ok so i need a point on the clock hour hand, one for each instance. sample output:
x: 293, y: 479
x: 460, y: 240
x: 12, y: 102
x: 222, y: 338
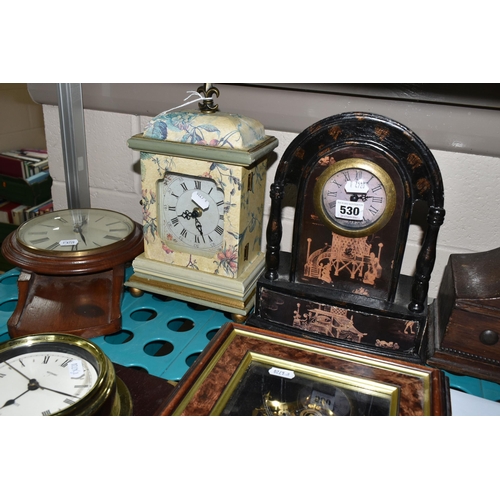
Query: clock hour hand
x: 12, y: 401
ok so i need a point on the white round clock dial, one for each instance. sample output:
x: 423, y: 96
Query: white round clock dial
x: 43, y: 382
x: 75, y: 230
x: 191, y: 212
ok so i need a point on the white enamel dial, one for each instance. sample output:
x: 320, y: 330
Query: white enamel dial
x: 43, y: 381
x: 191, y: 213
x: 75, y: 230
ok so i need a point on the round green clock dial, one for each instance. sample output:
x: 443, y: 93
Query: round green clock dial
x: 191, y: 213
x: 354, y: 197
x: 75, y: 230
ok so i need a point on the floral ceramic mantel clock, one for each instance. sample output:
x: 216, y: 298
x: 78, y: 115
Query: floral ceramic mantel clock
x: 203, y: 186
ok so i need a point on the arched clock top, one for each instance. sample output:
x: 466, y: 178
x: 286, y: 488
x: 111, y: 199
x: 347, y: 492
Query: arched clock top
x: 413, y: 171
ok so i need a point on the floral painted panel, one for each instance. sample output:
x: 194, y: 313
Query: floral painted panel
x: 244, y: 191
x: 221, y: 130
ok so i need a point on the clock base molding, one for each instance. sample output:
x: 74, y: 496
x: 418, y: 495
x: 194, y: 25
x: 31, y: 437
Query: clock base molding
x: 233, y: 295
x: 356, y: 321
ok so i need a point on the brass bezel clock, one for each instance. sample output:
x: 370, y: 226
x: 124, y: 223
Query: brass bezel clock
x: 354, y: 197
x: 72, y: 271
x: 357, y: 178
x: 60, y: 375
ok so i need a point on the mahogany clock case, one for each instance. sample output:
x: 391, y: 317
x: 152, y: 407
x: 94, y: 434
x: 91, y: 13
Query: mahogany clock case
x: 73, y: 292
x: 348, y: 288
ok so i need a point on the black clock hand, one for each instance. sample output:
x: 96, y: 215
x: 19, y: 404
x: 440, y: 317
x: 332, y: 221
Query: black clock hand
x: 78, y: 229
x: 33, y: 384
x: 12, y: 401
x: 18, y: 371
x: 362, y: 197
x: 198, y: 225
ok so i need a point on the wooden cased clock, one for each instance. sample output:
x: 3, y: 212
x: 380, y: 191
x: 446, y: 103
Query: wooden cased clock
x: 203, y: 189
x: 72, y: 271
x: 357, y: 178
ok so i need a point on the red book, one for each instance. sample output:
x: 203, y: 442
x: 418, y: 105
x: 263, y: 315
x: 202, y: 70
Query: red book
x: 14, y: 167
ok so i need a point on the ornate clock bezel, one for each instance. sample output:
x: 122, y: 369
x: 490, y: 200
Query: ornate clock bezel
x: 358, y: 164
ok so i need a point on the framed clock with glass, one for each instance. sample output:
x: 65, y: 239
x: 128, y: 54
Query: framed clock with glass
x: 357, y: 177
x: 203, y: 177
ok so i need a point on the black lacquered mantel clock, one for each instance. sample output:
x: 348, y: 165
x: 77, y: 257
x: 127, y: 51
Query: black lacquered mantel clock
x: 358, y: 177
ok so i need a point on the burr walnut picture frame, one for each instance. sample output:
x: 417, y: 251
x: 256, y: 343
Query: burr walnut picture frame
x: 248, y: 371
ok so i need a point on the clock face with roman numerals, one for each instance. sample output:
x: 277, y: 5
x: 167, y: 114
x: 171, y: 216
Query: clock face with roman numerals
x: 191, y: 213
x: 74, y: 231
x: 354, y: 197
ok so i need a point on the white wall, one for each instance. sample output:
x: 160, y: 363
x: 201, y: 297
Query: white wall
x: 470, y: 181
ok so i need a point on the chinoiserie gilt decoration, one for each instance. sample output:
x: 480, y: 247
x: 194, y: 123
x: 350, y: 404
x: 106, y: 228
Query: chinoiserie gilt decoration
x: 203, y: 178
x: 358, y: 177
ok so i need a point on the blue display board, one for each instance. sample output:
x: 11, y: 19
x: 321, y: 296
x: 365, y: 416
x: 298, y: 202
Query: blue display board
x: 159, y: 335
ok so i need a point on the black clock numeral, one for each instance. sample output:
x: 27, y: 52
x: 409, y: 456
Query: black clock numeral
x: 377, y: 199
x: 331, y: 204
x: 174, y: 221
x: 69, y: 401
x: 2, y: 375
x: 184, y: 233
x: 219, y: 203
x: 373, y: 210
x: 219, y: 230
x: 111, y: 237
x: 331, y: 193
x: 46, y: 413
x: 39, y: 240
x: 171, y: 208
x: 46, y: 359
x: 197, y: 184
x: 66, y: 363
x: 184, y: 187
x: 359, y: 175
x: 377, y: 188
x: 346, y: 175
x: 21, y: 361
x: 336, y: 183
x: 53, y: 246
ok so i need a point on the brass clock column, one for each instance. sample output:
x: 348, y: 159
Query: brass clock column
x: 203, y: 186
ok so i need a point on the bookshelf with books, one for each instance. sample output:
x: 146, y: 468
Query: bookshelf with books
x: 25, y: 190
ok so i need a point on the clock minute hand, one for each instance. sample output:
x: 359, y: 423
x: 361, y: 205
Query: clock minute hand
x: 18, y: 371
x: 78, y: 229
